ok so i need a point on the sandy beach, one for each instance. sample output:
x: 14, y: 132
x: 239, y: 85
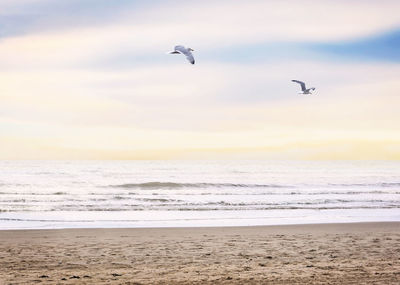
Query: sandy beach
x: 358, y: 253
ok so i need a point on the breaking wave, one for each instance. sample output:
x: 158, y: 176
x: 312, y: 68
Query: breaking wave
x: 174, y: 185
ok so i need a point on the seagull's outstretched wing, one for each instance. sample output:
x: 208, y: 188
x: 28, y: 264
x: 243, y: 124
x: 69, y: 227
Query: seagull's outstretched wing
x: 186, y: 52
x: 181, y: 49
x: 303, y: 85
x: 190, y: 58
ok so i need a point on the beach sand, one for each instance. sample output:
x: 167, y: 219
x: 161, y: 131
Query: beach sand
x: 360, y: 253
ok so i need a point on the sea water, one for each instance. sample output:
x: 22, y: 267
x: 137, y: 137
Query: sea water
x: 104, y: 194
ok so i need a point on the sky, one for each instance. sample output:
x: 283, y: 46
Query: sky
x: 91, y: 79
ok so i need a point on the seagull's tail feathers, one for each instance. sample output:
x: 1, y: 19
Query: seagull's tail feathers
x: 173, y: 52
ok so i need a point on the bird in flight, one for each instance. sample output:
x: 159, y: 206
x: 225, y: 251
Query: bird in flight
x: 185, y: 51
x: 304, y: 90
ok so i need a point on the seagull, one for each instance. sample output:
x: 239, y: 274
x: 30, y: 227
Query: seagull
x: 185, y: 51
x: 304, y: 90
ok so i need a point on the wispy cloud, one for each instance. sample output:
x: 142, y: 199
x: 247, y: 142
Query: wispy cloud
x: 21, y: 17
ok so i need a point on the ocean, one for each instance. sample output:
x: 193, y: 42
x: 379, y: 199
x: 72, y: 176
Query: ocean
x: 105, y: 194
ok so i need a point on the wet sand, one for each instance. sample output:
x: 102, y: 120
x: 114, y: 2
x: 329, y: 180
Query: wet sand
x: 360, y: 253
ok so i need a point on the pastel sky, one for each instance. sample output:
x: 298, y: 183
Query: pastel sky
x: 90, y: 79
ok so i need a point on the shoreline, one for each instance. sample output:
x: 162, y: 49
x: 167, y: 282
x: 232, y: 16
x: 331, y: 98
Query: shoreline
x: 335, y: 253
x: 281, y: 227
x: 172, y: 219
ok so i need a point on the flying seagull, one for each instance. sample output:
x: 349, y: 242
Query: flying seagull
x: 304, y: 90
x: 185, y: 51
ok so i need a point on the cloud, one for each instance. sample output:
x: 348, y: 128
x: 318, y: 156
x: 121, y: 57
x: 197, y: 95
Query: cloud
x: 207, y: 98
x: 206, y: 24
x: 126, y: 34
x: 38, y: 16
x: 223, y: 23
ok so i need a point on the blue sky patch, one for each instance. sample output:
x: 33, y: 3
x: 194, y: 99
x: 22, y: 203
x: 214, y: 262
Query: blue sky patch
x: 384, y: 47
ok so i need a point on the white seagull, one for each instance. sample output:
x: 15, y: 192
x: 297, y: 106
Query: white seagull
x: 304, y: 90
x: 185, y: 51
